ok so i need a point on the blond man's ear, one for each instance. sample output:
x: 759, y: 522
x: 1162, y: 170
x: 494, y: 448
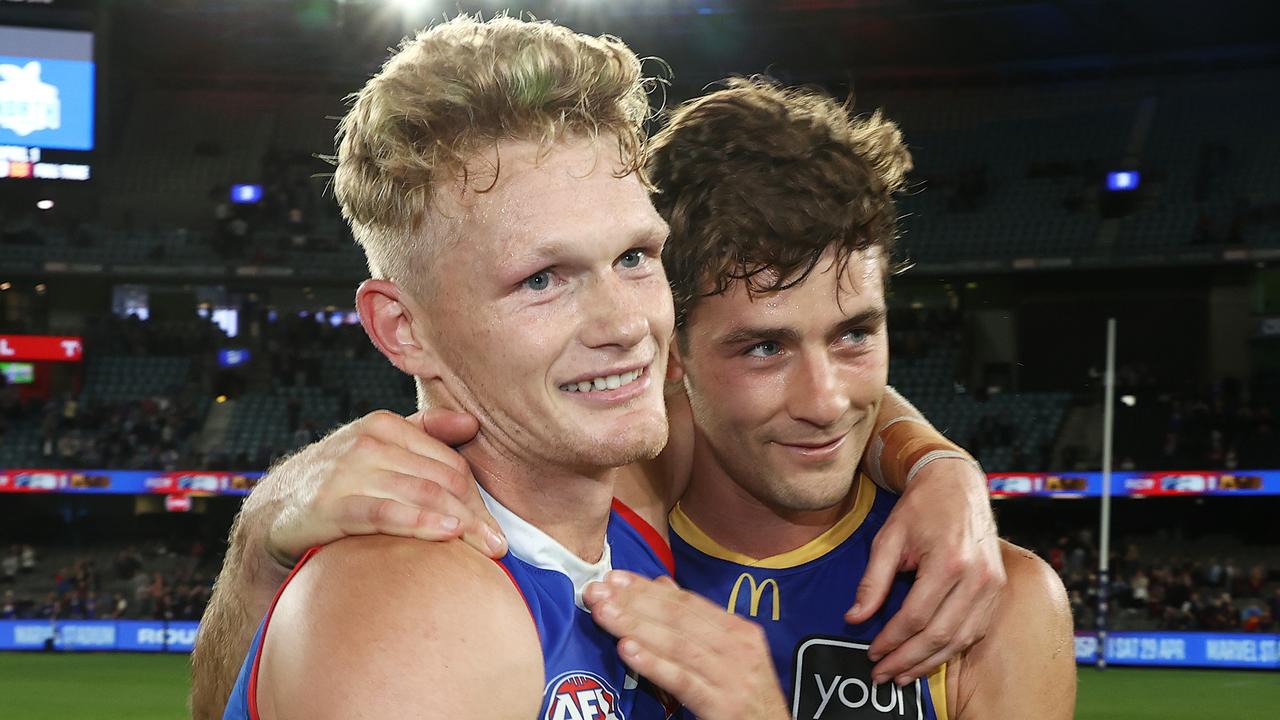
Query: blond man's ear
x: 387, y: 313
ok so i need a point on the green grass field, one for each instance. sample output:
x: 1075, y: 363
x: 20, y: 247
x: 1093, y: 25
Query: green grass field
x: 154, y: 687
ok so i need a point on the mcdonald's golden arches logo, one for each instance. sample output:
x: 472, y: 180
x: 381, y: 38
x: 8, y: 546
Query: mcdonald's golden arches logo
x: 757, y: 591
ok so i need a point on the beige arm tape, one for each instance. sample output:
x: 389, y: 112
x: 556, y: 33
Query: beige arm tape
x: 904, y: 446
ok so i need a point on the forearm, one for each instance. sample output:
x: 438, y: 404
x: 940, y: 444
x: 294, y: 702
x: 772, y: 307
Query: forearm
x: 241, y: 596
x: 903, y: 443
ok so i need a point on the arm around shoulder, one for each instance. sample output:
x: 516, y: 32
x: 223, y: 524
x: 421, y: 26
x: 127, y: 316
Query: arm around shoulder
x: 243, y: 592
x: 1026, y: 666
x: 390, y: 627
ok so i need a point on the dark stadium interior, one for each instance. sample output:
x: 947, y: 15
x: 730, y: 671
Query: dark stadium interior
x: 1014, y: 252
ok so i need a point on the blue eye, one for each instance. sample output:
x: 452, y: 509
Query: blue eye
x: 538, y: 281
x: 767, y: 348
x: 857, y: 336
x: 631, y: 258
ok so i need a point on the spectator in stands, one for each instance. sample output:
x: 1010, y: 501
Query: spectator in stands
x: 1213, y: 572
x: 127, y: 563
x: 9, y: 565
x: 1057, y: 557
x: 121, y: 606
x: 1251, y: 618
x: 9, y: 610
x: 1229, y: 575
x: 1255, y: 581
x: 51, y: 609
x: 76, y: 605
x: 1139, y: 590
x: 158, y: 588
x: 142, y: 593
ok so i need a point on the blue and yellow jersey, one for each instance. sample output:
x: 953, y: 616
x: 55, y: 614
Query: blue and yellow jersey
x: 800, y: 598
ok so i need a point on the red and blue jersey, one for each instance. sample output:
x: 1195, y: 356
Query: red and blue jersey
x: 800, y: 598
x: 585, y: 678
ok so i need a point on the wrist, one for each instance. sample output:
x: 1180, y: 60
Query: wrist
x: 253, y: 533
x: 948, y: 452
x: 957, y: 480
x: 903, y: 447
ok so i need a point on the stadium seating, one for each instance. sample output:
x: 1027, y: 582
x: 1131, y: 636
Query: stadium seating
x: 985, y: 426
x: 1000, y: 174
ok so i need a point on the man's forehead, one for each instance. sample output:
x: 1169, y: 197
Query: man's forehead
x: 520, y: 177
x: 850, y: 286
x: 556, y: 194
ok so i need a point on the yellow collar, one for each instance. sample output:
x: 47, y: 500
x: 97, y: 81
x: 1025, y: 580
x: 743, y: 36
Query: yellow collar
x: 812, y: 550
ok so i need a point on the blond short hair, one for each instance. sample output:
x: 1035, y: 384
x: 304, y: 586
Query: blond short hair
x: 453, y: 92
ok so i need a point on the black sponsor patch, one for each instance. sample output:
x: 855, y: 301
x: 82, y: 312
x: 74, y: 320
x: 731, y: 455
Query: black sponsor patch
x: 833, y: 682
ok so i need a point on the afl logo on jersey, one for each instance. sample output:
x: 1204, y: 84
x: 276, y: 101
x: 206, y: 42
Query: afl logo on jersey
x: 833, y: 682
x: 581, y: 695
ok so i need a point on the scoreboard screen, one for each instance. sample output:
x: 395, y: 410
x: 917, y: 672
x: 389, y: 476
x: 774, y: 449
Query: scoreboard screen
x: 46, y: 103
x: 18, y: 373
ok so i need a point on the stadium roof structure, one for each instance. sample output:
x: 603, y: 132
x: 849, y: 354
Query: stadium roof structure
x: 343, y: 41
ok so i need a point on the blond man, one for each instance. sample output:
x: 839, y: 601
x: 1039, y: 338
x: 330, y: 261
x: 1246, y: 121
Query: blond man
x: 489, y: 173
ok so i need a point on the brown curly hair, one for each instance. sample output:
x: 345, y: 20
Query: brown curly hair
x: 758, y: 181
x: 453, y: 92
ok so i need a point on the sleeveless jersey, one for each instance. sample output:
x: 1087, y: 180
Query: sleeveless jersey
x: 800, y: 598
x: 585, y: 678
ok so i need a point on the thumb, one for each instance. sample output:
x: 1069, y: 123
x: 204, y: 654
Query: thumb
x: 882, y: 567
x: 447, y: 426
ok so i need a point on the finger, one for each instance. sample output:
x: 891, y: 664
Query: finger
x: 663, y: 640
x: 430, y: 433
x: 933, y: 583
x: 449, y: 427
x: 941, y: 636
x: 363, y: 515
x: 389, y: 428
x: 428, y: 470
x: 922, y: 669
x: 665, y: 616
x: 495, y: 538
x: 476, y: 532
x: 692, y: 690
x: 882, y: 567
x: 396, y: 504
x: 479, y: 527
x: 663, y: 588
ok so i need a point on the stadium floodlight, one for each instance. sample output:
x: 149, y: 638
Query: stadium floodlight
x: 45, y: 204
x: 1123, y: 180
x: 413, y: 8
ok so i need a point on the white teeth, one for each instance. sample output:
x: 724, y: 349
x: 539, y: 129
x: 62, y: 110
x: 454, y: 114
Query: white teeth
x: 604, y: 382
